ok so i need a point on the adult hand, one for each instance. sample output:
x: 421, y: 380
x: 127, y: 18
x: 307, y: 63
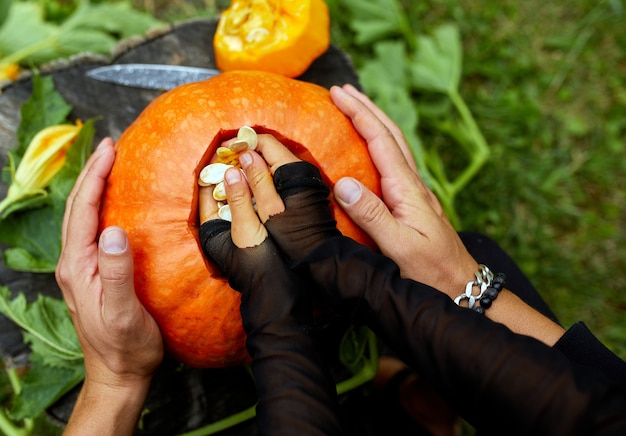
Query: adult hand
x: 408, y: 224
x: 121, y: 342
x: 416, y: 233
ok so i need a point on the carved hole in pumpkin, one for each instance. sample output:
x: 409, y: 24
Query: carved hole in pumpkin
x: 296, y: 148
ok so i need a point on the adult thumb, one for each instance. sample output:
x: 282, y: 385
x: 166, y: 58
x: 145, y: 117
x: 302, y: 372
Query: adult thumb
x: 364, y: 207
x: 115, y: 266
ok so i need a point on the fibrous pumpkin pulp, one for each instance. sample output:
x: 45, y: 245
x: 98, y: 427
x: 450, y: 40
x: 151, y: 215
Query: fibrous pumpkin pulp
x: 152, y: 193
x: 278, y: 36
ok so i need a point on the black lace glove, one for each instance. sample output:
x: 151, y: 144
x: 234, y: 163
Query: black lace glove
x: 501, y: 382
x: 307, y: 220
x: 296, y: 392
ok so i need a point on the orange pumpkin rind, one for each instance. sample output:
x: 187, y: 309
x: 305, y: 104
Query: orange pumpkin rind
x: 152, y: 194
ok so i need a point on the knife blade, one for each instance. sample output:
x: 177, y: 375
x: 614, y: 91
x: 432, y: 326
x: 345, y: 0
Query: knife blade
x: 151, y: 76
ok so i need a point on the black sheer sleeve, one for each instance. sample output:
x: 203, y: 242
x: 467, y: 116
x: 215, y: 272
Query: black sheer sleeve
x: 497, y: 380
x: 500, y: 382
x: 297, y: 394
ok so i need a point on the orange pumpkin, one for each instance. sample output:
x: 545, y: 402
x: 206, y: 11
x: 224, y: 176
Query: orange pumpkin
x: 282, y: 37
x: 152, y: 193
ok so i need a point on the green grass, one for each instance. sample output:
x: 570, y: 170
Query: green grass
x: 546, y: 81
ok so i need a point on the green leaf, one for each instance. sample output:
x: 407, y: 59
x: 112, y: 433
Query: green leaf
x: 435, y: 106
x: 27, y: 38
x: 35, y: 235
x: 5, y: 7
x: 47, y: 325
x: 389, y: 68
x: 36, y: 232
x: 438, y: 62
x: 85, y: 40
x: 26, y: 31
x: 376, y: 19
x: 117, y: 18
x: 19, y: 259
x: 369, y: 31
x: 353, y: 348
x: 43, y: 385
x: 386, y: 79
x: 45, y: 107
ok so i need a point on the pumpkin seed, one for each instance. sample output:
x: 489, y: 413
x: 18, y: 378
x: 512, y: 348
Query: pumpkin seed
x: 213, y: 174
x: 224, y: 152
x: 227, y: 157
x: 239, y: 145
x: 248, y: 134
x: 224, y: 213
x: 219, y: 192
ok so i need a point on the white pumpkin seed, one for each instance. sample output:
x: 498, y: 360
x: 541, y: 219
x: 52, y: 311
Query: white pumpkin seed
x: 248, y: 134
x: 224, y: 213
x: 213, y: 174
x: 219, y: 192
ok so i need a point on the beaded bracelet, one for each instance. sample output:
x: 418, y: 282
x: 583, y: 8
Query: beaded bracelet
x: 489, y: 286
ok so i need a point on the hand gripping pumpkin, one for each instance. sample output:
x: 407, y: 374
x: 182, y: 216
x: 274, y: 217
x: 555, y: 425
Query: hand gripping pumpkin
x: 152, y: 193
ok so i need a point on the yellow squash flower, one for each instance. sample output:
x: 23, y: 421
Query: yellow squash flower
x: 10, y: 72
x: 43, y: 159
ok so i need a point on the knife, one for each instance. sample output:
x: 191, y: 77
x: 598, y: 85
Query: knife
x: 151, y: 76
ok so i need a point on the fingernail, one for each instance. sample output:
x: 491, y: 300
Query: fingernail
x: 245, y: 159
x: 105, y: 143
x: 232, y: 176
x: 348, y: 190
x: 113, y: 240
x: 340, y: 92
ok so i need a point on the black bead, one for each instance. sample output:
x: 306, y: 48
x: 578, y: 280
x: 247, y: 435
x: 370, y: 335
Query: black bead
x: 497, y: 286
x: 485, y: 302
x: 479, y: 309
x: 491, y: 293
x: 500, y: 278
